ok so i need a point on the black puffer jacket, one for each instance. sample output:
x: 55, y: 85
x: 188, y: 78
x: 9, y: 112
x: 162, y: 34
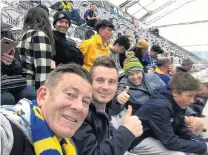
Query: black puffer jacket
x: 97, y: 137
x: 66, y: 51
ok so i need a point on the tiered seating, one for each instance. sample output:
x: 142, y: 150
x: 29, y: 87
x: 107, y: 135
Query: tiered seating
x: 14, y: 11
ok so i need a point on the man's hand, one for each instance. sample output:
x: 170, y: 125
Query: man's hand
x: 7, y: 58
x: 53, y: 64
x: 132, y: 123
x: 123, y: 97
x: 194, y: 124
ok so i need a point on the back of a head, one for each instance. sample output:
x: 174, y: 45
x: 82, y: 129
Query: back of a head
x: 157, y: 49
x: 104, y: 61
x: 44, y: 8
x: 123, y: 41
x: 162, y: 61
x: 103, y: 24
x: 38, y: 19
x: 143, y: 44
x: 183, y: 81
x: 55, y: 75
x: 187, y: 62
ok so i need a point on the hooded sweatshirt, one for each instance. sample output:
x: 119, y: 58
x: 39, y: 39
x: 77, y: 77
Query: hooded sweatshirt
x: 92, y: 49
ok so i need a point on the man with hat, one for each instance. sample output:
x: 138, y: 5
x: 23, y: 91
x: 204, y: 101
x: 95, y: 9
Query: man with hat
x: 66, y: 50
x: 140, y: 48
x: 135, y: 87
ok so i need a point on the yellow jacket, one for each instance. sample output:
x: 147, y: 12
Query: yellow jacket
x: 92, y: 49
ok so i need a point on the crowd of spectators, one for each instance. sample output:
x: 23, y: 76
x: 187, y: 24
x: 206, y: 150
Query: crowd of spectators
x: 95, y: 98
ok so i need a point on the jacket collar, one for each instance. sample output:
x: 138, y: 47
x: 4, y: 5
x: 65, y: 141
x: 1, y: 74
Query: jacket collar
x: 97, y: 38
x: 59, y: 35
x: 157, y: 70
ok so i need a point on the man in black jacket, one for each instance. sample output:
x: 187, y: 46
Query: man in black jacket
x: 95, y: 136
x: 185, y: 66
x: 66, y: 51
x: 165, y: 131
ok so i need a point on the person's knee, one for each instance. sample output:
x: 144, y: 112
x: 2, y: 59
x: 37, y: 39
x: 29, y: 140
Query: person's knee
x: 28, y: 92
x: 7, y: 99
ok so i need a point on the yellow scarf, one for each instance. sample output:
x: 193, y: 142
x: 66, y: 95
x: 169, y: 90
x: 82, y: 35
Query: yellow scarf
x: 44, y: 140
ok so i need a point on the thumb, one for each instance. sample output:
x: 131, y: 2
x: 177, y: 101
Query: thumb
x: 127, y: 89
x: 129, y: 111
x: 191, y: 119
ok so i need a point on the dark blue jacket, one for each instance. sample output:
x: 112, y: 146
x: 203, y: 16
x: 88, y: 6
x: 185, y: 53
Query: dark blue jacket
x: 163, y: 77
x: 97, y: 137
x: 163, y: 119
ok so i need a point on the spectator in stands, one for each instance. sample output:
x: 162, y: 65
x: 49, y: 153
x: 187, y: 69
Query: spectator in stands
x: 66, y: 51
x: 140, y: 86
x: 163, y: 69
x: 44, y: 8
x: 98, y: 44
x: 36, y: 47
x: 165, y: 131
x: 90, y: 16
x: 67, y: 6
x: 12, y: 65
x: 45, y: 126
x: 120, y: 46
x: 139, y: 49
x: 95, y: 136
x: 185, y: 66
x: 150, y: 58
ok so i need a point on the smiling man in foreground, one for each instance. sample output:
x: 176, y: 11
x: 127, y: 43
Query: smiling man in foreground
x: 96, y: 136
x: 45, y: 126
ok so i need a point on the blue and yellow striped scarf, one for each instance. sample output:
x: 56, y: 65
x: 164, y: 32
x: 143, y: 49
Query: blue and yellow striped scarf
x: 44, y: 140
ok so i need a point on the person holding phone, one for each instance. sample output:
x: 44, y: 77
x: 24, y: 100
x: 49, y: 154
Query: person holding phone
x: 11, y: 65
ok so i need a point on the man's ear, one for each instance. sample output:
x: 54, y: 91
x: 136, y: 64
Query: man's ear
x: 42, y: 94
x: 174, y: 92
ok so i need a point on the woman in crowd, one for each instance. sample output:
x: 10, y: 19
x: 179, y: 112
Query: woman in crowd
x: 36, y: 47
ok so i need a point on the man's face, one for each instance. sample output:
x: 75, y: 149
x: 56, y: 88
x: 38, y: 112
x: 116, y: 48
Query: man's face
x: 118, y: 48
x: 92, y: 7
x: 135, y: 77
x: 65, y: 106
x: 106, y: 33
x: 62, y: 25
x: 187, y: 67
x: 105, y: 84
x: 184, y: 99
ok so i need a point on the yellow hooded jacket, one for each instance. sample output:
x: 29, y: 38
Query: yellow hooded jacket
x: 92, y: 49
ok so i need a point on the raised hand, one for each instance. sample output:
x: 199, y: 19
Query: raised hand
x: 123, y: 97
x: 133, y: 123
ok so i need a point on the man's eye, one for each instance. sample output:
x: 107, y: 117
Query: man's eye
x: 86, y: 102
x: 70, y: 95
x: 99, y: 80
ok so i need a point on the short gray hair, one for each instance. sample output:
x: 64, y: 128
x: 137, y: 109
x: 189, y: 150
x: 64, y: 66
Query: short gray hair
x: 54, y: 76
x: 187, y: 62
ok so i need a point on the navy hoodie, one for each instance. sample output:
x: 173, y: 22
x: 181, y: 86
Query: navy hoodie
x: 163, y: 119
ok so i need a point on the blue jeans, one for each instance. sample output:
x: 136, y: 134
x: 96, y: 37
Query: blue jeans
x: 12, y: 97
x: 75, y: 16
